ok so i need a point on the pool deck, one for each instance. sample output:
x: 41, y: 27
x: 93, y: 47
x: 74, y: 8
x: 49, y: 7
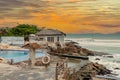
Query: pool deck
x: 11, y: 72
x: 8, y: 72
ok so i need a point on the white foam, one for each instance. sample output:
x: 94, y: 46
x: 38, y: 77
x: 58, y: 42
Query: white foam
x: 110, y: 63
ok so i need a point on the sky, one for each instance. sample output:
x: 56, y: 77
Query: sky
x: 69, y: 16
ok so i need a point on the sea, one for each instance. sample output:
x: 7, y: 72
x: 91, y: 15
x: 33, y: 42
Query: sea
x: 108, y: 43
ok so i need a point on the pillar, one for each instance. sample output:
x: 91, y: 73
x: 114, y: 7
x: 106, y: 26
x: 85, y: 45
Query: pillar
x: 32, y: 57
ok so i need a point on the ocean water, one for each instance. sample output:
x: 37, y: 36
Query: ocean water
x: 108, y: 43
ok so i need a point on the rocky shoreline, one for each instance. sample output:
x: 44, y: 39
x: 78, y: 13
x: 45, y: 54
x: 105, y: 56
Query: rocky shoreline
x: 88, y: 71
x: 9, y: 47
x: 72, y: 48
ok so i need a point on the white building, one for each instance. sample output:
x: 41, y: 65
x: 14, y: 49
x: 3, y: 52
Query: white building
x: 47, y: 35
x: 11, y: 40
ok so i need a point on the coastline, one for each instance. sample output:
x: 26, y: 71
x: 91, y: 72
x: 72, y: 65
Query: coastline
x: 72, y: 47
x: 109, y: 47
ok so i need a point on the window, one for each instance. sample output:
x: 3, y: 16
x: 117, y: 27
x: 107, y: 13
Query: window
x: 41, y: 39
x: 50, y: 39
x: 58, y: 38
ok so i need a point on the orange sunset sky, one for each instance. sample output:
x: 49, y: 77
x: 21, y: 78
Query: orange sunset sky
x: 70, y: 16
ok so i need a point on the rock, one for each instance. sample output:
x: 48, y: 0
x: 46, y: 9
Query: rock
x: 76, y: 54
x: 38, y: 63
x: 23, y: 65
x: 117, y: 68
x: 71, y: 48
x: 2, y: 60
x: 99, y: 53
x: 97, y: 59
x: 10, y: 47
x: 108, y: 56
x: 92, y: 69
x: 117, y: 61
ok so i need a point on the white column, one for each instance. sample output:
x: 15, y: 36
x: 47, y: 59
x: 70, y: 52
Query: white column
x: 32, y: 56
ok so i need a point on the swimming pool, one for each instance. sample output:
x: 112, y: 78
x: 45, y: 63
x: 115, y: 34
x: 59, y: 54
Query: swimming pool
x: 18, y: 55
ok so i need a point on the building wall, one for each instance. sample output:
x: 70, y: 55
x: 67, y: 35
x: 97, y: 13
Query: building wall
x: 13, y: 40
x: 61, y: 38
x: 37, y: 38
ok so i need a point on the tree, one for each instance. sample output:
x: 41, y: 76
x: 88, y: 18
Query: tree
x: 21, y: 30
x: 24, y: 30
x: 3, y: 31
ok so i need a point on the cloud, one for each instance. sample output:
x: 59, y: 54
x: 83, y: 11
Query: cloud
x: 22, y: 9
x: 67, y: 15
x: 109, y: 25
x: 15, y: 3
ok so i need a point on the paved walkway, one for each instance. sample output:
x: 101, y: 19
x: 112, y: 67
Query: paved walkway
x: 14, y: 73
x: 27, y: 75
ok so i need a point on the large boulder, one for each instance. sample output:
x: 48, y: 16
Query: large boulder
x: 92, y: 69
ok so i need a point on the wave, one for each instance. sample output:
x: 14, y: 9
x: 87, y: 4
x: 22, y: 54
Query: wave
x: 96, y: 42
x: 112, y: 63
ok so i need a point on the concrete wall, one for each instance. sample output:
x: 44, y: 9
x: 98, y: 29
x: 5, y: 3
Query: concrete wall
x: 12, y: 40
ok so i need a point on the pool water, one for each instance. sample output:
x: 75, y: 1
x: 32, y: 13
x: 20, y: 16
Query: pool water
x: 19, y: 56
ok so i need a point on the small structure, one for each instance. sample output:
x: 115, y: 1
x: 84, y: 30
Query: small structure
x: 17, y: 41
x: 32, y: 47
x: 48, y: 35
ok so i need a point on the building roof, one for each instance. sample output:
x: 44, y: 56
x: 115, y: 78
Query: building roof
x: 50, y: 32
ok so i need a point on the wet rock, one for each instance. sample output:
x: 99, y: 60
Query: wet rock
x: 117, y: 68
x: 99, y: 53
x: 92, y: 69
x: 108, y: 56
x: 97, y: 59
x: 117, y: 61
